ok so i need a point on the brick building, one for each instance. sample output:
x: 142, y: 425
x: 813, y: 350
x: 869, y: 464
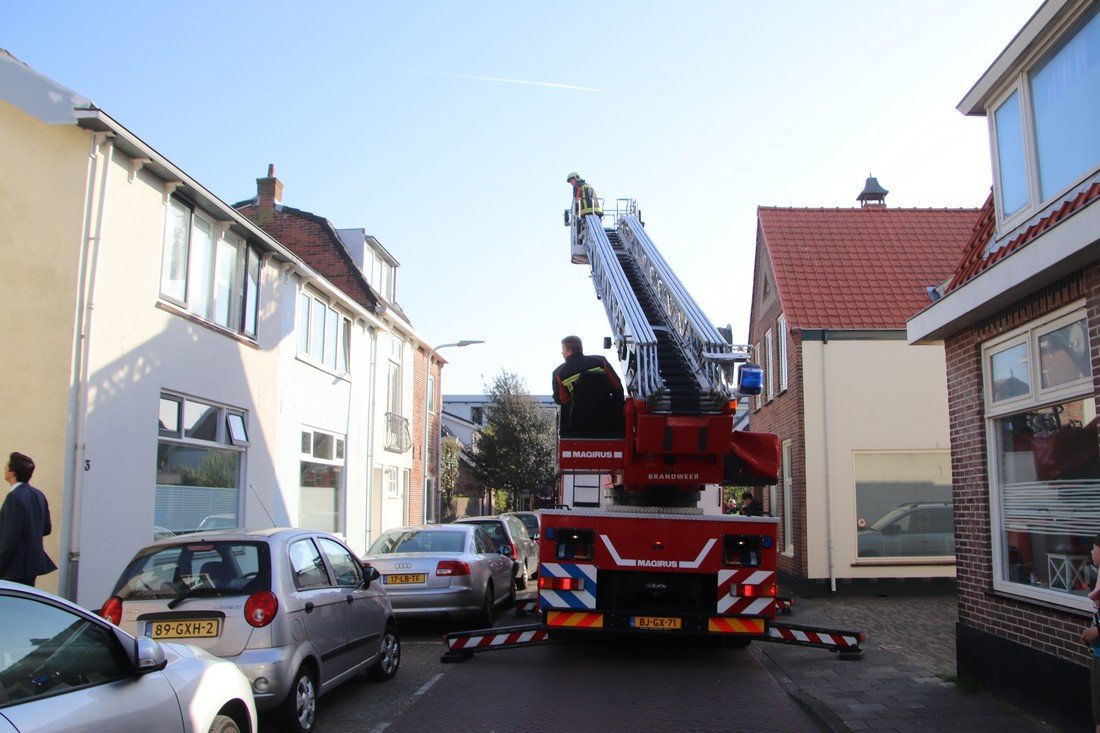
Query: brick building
x: 865, y: 485
x: 1020, y: 322
x: 394, y: 368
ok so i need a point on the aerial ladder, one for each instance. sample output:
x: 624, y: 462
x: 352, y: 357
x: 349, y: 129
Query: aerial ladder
x: 645, y: 559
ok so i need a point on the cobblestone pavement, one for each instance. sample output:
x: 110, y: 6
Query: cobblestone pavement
x: 904, y: 682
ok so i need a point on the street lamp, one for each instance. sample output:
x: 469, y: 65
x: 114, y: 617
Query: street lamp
x: 426, y: 501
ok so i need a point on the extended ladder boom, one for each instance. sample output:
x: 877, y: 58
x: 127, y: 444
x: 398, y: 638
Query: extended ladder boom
x: 672, y: 356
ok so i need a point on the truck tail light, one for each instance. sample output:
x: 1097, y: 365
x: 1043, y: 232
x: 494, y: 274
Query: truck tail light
x: 561, y: 583
x: 260, y: 608
x: 112, y: 610
x: 452, y: 568
x: 746, y: 590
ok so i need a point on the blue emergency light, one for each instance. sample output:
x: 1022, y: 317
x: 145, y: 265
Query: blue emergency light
x: 750, y: 379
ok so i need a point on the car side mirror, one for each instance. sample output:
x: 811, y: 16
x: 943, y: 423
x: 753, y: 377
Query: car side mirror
x: 506, y: 550
x: 149, y: 656
x: 534, y: 535
x: 370, y: 574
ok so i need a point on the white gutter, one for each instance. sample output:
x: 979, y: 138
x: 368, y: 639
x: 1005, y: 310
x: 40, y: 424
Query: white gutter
x: 78, y: 402
x: 825, y: 450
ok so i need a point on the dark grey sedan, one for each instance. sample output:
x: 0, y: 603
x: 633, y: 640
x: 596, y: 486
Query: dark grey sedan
x: 440, y: 571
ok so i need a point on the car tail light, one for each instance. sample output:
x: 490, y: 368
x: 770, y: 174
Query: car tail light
x: 746, y: 590
x: 515, y: 555
x: 561, y: 583
x: 112, y: 610
x: 260, y: 608
x: 452, y: 567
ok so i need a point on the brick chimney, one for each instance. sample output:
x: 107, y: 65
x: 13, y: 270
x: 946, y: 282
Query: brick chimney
x: 269, y: 190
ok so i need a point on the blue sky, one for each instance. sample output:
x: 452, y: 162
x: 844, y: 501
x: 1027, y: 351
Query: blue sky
x: 446, y: 129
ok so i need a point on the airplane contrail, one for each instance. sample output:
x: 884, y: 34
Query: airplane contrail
x: 511, y: 81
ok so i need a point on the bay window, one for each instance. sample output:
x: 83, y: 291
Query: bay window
x: 1046, y: 130
x: 1044, y: 459
x: 209, y: 270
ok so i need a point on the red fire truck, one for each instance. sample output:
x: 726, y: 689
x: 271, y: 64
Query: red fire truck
x: 631, y: 551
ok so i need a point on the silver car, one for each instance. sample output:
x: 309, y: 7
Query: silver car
x: 65, y: 669
x: 510, y: 534
x: 293, y: 608
x: 438, y: 571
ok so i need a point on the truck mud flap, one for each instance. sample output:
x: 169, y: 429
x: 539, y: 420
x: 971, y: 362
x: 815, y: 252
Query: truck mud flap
x: 462, y: 645
x: 846, y: 643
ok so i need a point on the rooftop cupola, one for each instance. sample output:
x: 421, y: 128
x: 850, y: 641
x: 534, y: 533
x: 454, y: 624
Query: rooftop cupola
x: 873, y: 195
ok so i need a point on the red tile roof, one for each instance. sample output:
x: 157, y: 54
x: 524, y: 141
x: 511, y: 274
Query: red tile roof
x: 861, y: 268
x: 976, y: 260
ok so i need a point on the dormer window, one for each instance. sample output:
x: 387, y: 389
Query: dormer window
x: 1046, y: 129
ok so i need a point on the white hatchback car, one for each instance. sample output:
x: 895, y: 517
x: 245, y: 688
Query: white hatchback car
x: 64, y: 669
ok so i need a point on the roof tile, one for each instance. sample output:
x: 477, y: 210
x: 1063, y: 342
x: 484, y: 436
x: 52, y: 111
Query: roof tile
x: 861, y: 268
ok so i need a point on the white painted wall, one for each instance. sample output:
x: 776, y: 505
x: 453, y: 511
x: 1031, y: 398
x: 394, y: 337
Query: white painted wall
x: 865, y: 396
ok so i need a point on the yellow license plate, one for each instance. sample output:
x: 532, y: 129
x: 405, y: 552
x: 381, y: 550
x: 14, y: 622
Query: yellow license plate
x: 201, y: 628
x: 405, y: 579
x: 655, y: 622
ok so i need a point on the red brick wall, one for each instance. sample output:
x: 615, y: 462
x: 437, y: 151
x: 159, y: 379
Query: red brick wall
x: 416, y: 429
x: 784, y: 416
x: 1048, y: 630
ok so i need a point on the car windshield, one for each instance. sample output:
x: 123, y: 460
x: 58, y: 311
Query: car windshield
x: 411, y: 540
x: 207, y: 568
x: 494, y: 528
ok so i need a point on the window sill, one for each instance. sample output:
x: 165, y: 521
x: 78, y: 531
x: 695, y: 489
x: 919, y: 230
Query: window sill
x: 904, y: 562
x: 787, y: 553
x: 1056, y: 604
x: 321, y: 367
x: 177, y: 311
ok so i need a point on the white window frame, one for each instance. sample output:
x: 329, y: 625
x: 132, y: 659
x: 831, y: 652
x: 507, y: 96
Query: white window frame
x: 325, y: 350
x: 337, y: 457
x: 769, y: 377
x: 389, y: 477
x: 431, y: 393
x: 1029, y: 333
x: 1022, y: 85
x: 781, y: 330
x: 237, y: 310
x: 224, y: 438
x: 788, y: 500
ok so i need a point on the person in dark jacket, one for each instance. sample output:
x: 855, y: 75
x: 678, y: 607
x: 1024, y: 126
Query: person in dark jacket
x: 750, y: 507
x: 589, y: 391
x: 24, y: 521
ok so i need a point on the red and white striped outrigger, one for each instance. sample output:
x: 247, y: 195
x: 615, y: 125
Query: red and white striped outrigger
x: 463, y: 645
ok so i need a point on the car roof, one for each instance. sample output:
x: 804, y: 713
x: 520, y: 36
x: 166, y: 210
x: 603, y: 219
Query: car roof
x: 268, y: 534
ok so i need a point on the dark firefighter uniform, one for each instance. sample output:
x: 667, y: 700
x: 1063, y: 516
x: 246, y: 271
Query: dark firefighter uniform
x: 590, y: 394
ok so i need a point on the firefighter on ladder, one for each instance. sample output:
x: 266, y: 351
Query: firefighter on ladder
x: 585, y: 201
x: 589, y: 392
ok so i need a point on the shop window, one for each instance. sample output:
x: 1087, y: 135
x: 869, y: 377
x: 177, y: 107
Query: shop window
x: 1045, y: 477
x: 200, y: 455
x: 903, y: 504
x: 321, y: 481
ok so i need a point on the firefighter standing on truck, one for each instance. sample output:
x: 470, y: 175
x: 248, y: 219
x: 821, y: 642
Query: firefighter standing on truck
x: 585, y: 201
x: 588, y: 390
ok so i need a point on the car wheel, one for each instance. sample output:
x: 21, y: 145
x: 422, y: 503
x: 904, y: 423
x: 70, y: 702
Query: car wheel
x: 485, y: 617
x: 224, y: 724
x: 389, y: 656
x: 524, y: 577
x: 298, y: 712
